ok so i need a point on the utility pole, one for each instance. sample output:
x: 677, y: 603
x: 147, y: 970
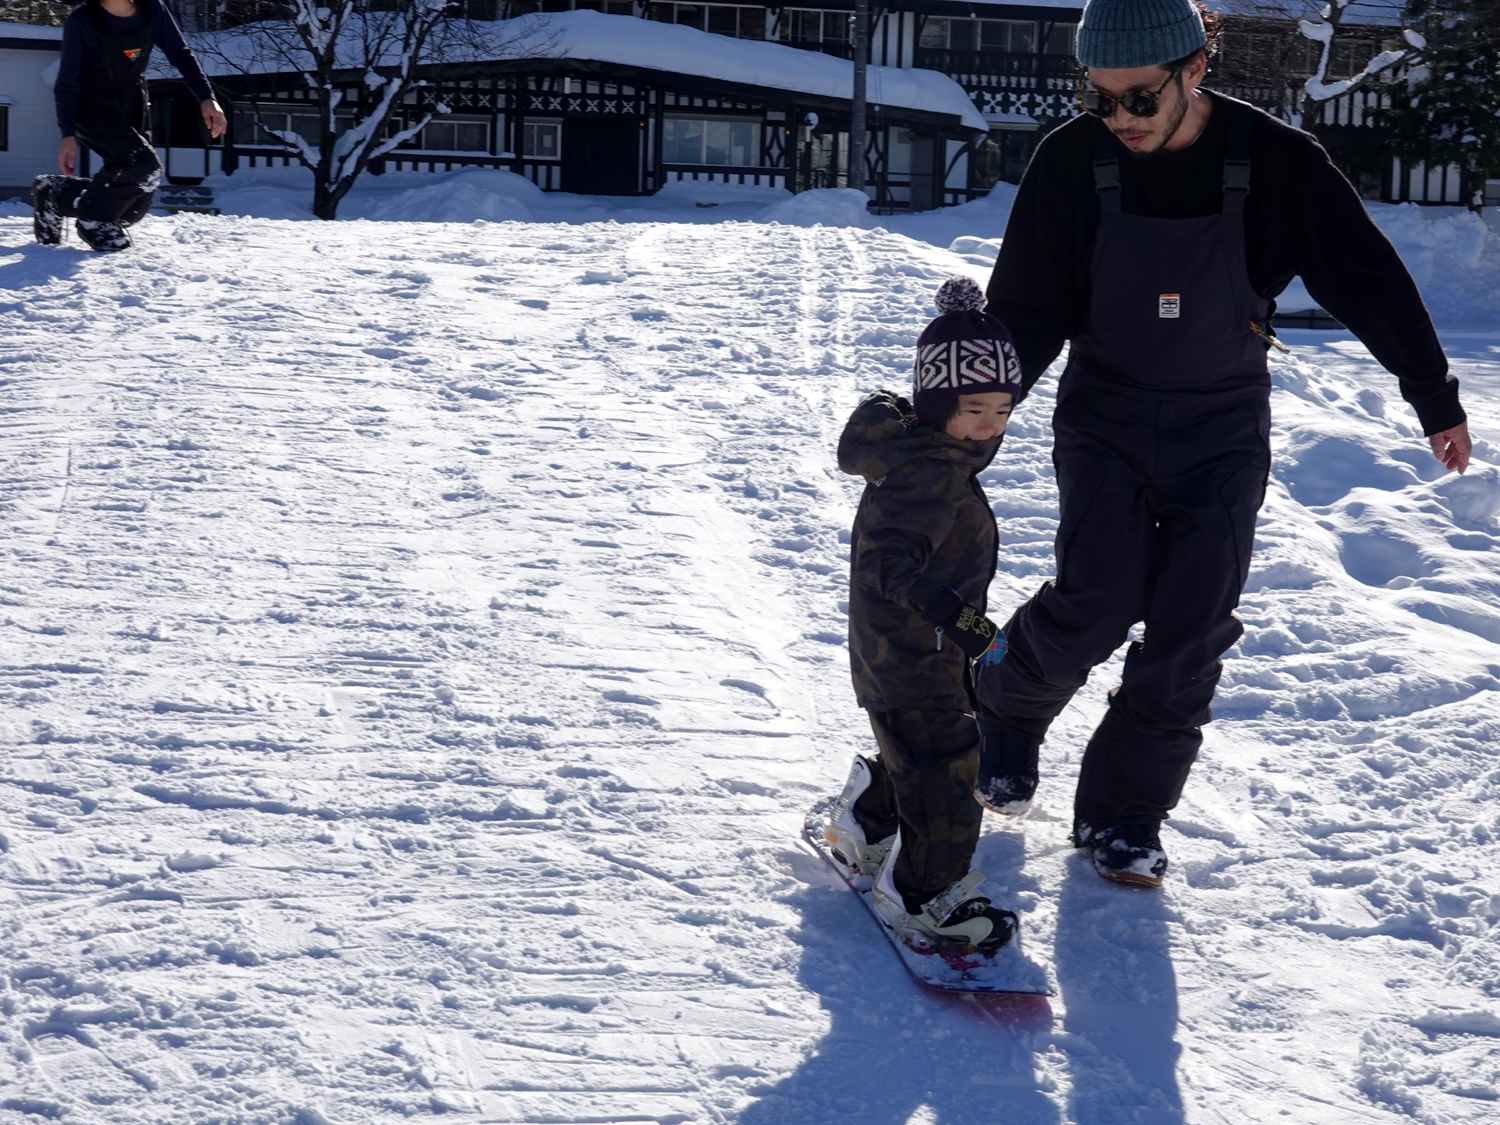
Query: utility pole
x: 857, y: 113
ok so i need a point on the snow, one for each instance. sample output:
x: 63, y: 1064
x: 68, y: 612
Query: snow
x: 30, y: 31
x: 421, y: 641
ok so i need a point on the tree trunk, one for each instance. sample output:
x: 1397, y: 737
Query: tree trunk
x: 1476, y: 192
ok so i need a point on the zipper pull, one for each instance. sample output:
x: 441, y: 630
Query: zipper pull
x: 939, y: 631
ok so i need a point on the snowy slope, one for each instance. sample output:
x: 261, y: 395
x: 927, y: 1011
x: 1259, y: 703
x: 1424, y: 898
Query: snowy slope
x: 419, y: 650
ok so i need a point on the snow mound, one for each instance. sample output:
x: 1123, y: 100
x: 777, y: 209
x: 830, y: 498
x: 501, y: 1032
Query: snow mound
x: 979, y: 251
x: 449, y: 203
x: 822, y: 207
x: 708, y: 191
x: 998, y: 202
x: 1454, y: 256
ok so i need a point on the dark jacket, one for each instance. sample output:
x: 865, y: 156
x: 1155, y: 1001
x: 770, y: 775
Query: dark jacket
x: 85, y: 80
x: 1301, y: 218
x: 923, y: 527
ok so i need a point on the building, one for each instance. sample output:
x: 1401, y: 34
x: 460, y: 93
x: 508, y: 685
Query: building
x: 28, y: 117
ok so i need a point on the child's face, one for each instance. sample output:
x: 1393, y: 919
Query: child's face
x: 979, y: 417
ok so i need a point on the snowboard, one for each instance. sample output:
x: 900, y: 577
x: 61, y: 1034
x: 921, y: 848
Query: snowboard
x: 1008, y: 971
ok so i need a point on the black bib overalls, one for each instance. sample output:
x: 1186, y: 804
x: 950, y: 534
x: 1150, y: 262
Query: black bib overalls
x: 1162, y: 451
x: 114, y: 123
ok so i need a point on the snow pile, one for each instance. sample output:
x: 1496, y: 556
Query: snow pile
x: 711, y: 192
x: 421, y: 644
x: 461, y: 197
x: 827, y: 207
x: 1453, y: 254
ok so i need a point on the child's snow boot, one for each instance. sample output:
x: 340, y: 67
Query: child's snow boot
x: 1125, y: 853
x: 953, y: 921
x: 46, y: 206
x: 857, y: 841
x: 103, y: 235
x: 1008, y: 769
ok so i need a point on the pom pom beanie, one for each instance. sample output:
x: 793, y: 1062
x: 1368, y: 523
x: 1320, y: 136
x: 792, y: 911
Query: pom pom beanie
x: 965, y: 351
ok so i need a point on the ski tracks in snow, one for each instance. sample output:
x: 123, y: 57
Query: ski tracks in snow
x: 421, y: 644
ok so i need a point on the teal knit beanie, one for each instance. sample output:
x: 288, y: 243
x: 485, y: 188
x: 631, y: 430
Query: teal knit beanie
x: 1122, y: 34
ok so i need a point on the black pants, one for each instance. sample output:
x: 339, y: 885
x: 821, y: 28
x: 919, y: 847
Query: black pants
x: 121, y: 191
x: 924, y: 780
x: 1158, y: 499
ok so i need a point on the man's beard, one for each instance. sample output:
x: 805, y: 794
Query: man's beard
x: 1177, y: 118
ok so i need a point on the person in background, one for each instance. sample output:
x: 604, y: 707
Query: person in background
x: 103, y: 104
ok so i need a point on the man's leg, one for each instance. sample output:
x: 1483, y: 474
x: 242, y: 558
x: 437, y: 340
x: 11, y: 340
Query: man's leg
x: 1136, y: 764
x: 1079, y: 618
x: 931, y: 758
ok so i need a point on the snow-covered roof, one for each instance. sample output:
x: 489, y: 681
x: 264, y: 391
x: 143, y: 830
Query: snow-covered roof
x: 669, y: 48
x: 1355, y: 11
x: 30, y: 31
x: 676, y: 49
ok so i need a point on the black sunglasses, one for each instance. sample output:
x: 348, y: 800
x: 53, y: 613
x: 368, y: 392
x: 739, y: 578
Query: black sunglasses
x: 1142, y: 104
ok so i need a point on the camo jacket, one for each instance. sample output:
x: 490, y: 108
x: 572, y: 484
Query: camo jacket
x: 923, y: 526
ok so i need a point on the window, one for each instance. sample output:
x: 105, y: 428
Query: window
x: 457, y: 134
x: 1063, y: 39
x: 253, y: 125
x: 1013, y: 37
x: 542, y: 140
x: 802, y: 25
x: 721, y: 19
x: 695, y: 141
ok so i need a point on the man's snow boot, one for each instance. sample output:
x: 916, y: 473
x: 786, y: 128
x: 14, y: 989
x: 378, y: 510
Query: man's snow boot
x: 46, y: 207
x: 953, y: 921
x: 855, y: 844
x: 103, y: 235
x: 1125, y: 853
x: 1008, y: 769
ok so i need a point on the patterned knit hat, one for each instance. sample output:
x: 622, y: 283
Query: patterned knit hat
x: 965, y: 351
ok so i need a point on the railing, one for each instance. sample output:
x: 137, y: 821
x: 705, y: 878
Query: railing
x: 726, y: 174
x: 1000, y: 63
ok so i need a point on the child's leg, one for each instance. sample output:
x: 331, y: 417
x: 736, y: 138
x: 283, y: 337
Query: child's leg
x: 932, y: 758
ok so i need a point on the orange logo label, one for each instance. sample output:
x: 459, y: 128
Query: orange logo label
x: 133, y: 53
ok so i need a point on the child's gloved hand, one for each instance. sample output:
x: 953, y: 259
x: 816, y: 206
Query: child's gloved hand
x: 995, y: 653
x: 964, y: 625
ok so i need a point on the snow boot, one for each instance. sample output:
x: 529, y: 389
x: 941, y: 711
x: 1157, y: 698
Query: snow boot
x: 954, y: 921
x: 46, y: 206
x: 1008, y: 769
x: 103, y: 235
x: 1125, y: 853
x: 856, y: 845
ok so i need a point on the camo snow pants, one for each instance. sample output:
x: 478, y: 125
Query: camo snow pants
x: 924, y: 781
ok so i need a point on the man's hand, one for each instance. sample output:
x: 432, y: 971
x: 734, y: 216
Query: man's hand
x: 213, y: 118
x: 67, y: 155
x: 1452, y: 447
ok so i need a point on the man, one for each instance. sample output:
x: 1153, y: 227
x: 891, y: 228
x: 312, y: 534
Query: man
x: 102, y: 101
x: 1154, y: 232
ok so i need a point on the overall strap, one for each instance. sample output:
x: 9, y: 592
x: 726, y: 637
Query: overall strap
x: 1237, y: 161
x: 1106, y: 171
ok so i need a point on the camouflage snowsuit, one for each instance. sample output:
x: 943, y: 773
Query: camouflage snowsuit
x: 923, y: 527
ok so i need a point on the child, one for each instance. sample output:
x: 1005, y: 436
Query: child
x: 923, y: 553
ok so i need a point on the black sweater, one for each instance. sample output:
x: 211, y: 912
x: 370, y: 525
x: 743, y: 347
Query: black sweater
x: 1302, y: 217
x: 82, y: 51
